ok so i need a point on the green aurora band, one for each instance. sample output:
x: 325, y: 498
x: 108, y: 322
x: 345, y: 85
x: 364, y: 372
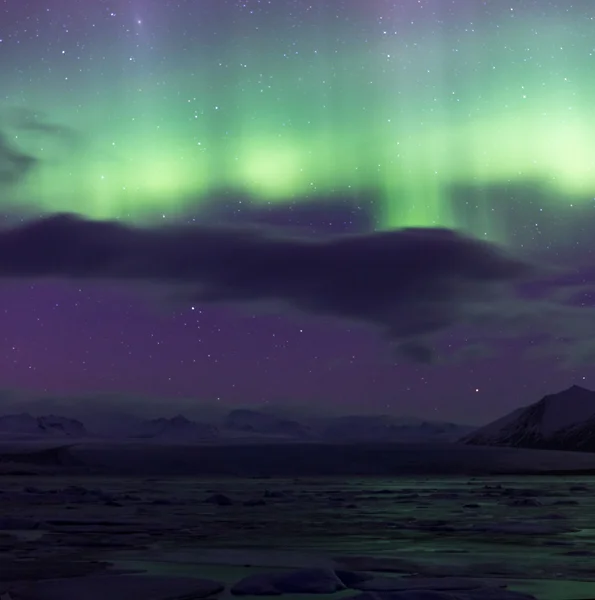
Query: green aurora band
x: 283, y: 114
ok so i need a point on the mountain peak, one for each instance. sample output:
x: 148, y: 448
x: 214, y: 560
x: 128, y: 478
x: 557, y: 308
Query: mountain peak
x: 575, y: 398
x: 577, y: 388
x: 179, y: 420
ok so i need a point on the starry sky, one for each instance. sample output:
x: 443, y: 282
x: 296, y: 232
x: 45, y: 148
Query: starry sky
x: 329, y: 117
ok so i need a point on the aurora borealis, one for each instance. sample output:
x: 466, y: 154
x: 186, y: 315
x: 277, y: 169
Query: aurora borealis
x: 332, y: 116
x: 284, y: 102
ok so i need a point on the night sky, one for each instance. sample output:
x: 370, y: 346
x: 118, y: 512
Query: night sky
x: 332, y: 117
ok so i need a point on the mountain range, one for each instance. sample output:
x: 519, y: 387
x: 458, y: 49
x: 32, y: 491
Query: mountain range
x: 561, y: 421
x: 238, y: 425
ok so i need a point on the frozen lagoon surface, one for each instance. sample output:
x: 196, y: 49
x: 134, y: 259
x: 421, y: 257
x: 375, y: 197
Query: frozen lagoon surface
x: 534, y: 534
x: 506, y: 533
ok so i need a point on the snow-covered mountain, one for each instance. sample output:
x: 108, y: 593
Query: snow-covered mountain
x: 178, y: 430
x: 239, y: 426
x: 248, y: 421
x: 385, y: 428
x: 562, y: 421
x: 26, y: 425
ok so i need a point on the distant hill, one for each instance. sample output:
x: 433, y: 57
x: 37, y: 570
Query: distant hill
x: 50, y: 426
x: 562, y: 421
x: 238, y: 426
x: 178, y: 430
x: 247, y: 421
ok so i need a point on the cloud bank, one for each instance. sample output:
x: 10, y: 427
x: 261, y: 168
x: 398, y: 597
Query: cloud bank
x: 410, y: 284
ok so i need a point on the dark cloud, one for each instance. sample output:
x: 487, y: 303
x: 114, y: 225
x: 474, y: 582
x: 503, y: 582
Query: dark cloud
x: 14, y: 164
x: 416, y: 351
x: 408, y: 283
x: 24, y: 119
x: 412, y: 285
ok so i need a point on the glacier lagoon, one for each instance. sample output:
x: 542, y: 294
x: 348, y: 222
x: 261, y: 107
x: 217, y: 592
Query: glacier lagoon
x: 533, y: 534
